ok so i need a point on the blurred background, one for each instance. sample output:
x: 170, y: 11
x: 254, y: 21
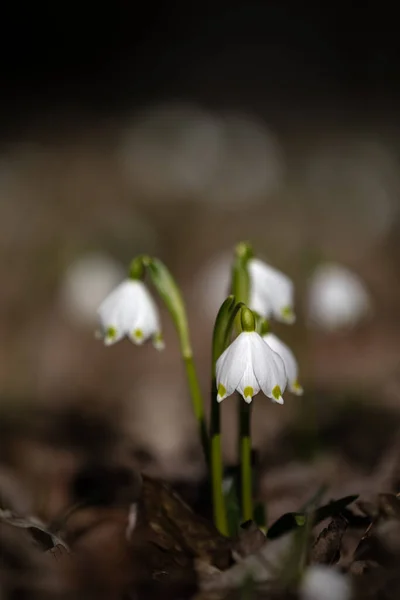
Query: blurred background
x: 178, y: 130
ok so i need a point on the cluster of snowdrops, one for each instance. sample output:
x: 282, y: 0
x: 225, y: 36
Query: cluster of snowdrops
x: 246, y: 356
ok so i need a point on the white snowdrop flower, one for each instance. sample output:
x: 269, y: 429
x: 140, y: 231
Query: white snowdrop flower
x: 130, y: 310
x: 249, y: 365
x: 86, y: 282
x: 321, y: 582
x: 271, y: 292
x: 289, y: 361
x: 337, y: 298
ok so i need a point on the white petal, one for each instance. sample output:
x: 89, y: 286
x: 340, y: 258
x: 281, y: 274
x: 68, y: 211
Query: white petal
x: 274, y: 288
x: 279, y: 400
x: 145, y: 318
x: 258, y: 303
x: 114, y: 311
x: 158, y: 341
x: 231, y: 365
x: 114, y: 337
x: 289, y: 360
x: 129, y: 310
x: 108, y: 330
x: 269, y: 369
x: 248, y: 385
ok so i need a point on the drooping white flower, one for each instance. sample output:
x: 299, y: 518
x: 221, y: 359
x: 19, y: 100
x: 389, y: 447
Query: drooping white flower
x: 130, y: 310
x: 271, y: 292
x: 289, y: 361
x: 249, y: 365
x: 337, y: 298
x: 321, y: 582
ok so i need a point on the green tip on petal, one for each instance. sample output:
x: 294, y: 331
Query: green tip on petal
x: 111, y: 334
x: 288, y: 315
x: 277, y: 394
x: 158, y: 341
x: 296, y: 388
x: 248, y: 393
x: 138, y: 336
x: 247, y: 320
x: 221, y: 392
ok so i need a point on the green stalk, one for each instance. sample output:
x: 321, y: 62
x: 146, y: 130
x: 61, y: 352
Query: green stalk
x: 172, y: 297
x: 245, y: 460
x: 240, y: 275
x: 217, y: 468
x: 241, y: 290
x: 221, y: 336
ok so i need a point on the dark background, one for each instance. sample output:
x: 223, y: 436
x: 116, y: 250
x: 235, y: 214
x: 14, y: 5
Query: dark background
x: 276, y: 55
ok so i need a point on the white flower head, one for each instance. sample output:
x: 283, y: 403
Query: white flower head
x: 130, y: 310
x: 249, y: 365
x: 271, y: 292
x: 289, y: 361
x: 337, y: 298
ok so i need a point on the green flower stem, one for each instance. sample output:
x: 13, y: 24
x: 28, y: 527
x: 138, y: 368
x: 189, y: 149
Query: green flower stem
x: 245, y: 461
x: 172, y: 297
x: 241, y: 290
x: 221, y: 336
x: 240, y: 275
x: 218, y: 500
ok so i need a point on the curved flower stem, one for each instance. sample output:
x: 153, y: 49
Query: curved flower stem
x: 245, y: 460
x: 172, y: 297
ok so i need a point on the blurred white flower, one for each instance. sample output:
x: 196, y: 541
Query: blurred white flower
x: 337, y: 298
x: 179, y: 152
x: 172, y: 151
x: 321, y: 582
x: 271, y: 292
x: 251, y: 163
x: 289, y: 361
x: 130, y: 310
x: 85, y: 283
x: 352, y: 183
x: 249, y: 365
